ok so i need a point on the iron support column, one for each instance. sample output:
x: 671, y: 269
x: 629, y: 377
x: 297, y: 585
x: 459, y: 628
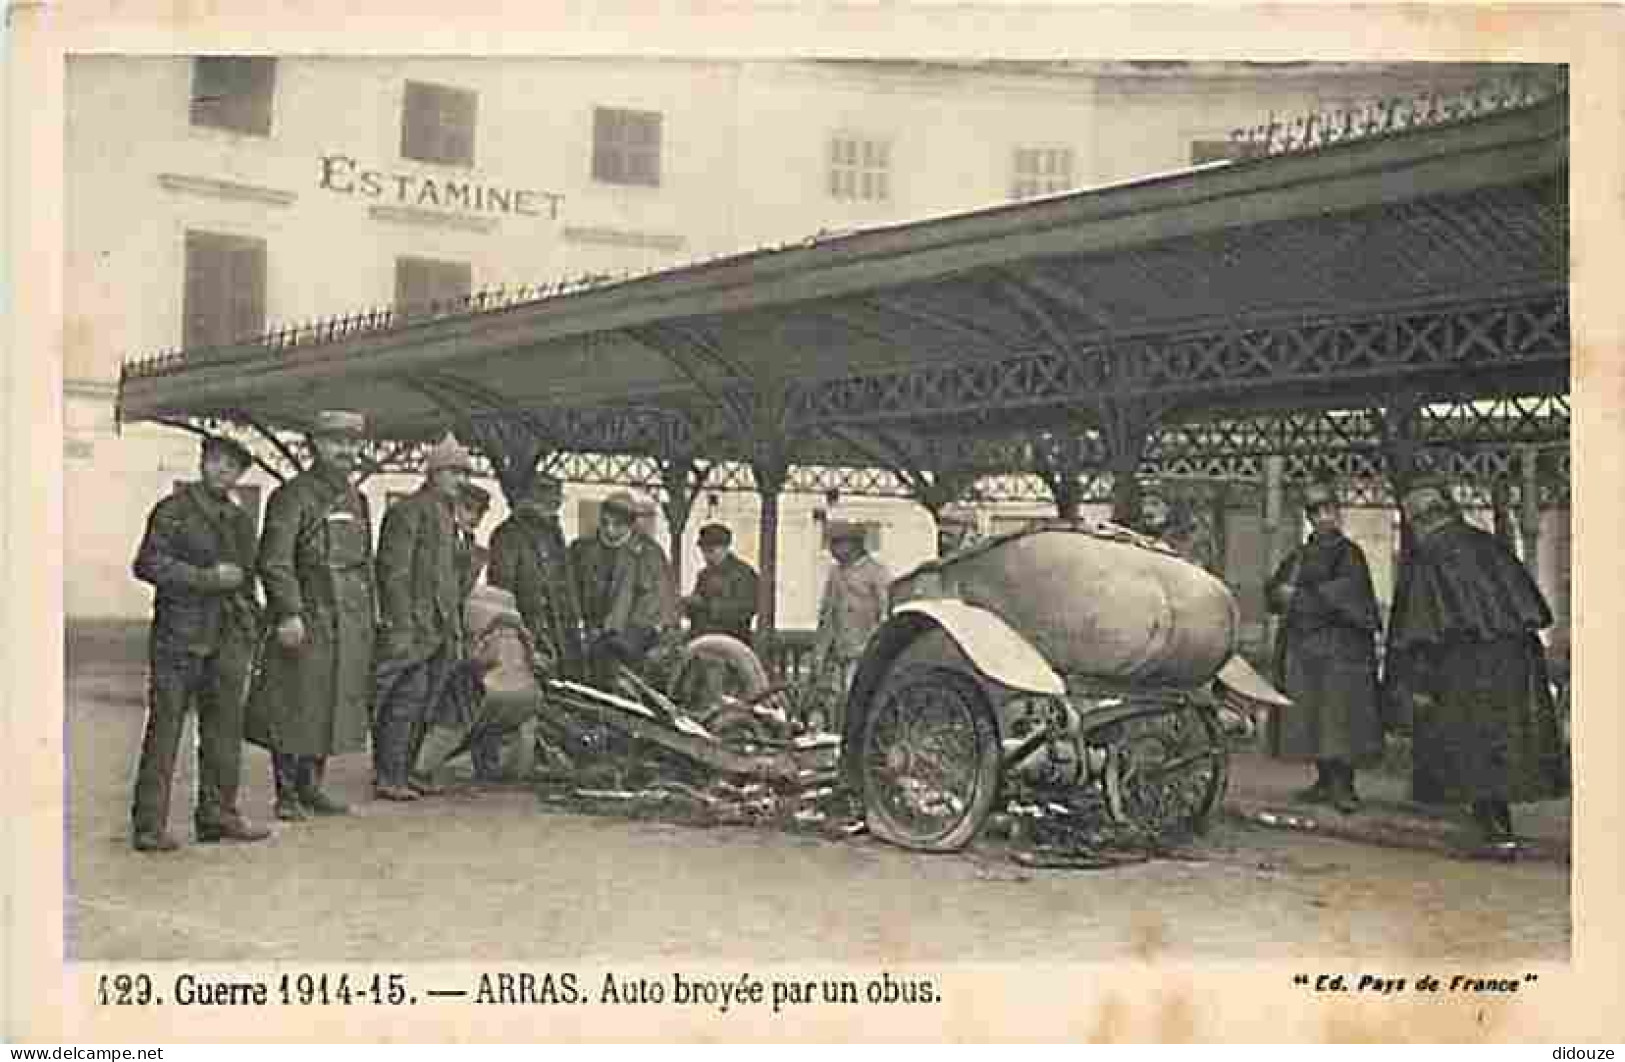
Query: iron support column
x: 770, y: 473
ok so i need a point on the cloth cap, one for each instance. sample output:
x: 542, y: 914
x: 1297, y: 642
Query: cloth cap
x: 845, y: 531
x: 338, y: 422
x: 474, y: 496
x: 230, y: 449
x: 449, y: 453
x: 715, y: 535
x: 621, y: 502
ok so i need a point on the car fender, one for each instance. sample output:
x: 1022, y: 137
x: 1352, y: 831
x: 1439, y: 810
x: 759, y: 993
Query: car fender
x: 1000, y: 655
x: 995, y: 648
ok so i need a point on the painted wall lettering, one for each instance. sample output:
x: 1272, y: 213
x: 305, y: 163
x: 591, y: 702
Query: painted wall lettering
x: 345, y: 176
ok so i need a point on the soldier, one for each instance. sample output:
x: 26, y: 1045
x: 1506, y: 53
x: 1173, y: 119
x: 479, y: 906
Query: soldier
x: 624, y: 586
x: 1466, y: 670
x: 530, y: 560
x: 198, y: 552
x: 315, y: 561
x: 724, y: 597
x: 854, y: 604
x: 421, y: 615
x: 1326, y: 656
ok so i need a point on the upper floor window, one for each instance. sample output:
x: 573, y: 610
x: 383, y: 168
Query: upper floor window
x: 233, y: 92
x: 626, y: 146
x: 1040, y: 171
x: 859, y: 169
x: 437, y: 124
x: 421, y: 283
x: 224, y: 301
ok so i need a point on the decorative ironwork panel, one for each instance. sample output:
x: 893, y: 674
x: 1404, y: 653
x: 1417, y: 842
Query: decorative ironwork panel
x: 1387, y: 117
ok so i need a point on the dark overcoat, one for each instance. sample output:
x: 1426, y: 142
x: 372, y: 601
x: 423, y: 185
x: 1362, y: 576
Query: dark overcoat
x: 315, y: 561
x: 1464, y: 631
x: 187, y: 534
x: 1325, y: 654
x: 420, y: 593
x: 724, y: 599
x: 529, y: 559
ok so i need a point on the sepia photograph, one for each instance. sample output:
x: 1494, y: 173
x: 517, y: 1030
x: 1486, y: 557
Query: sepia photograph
x: 540, y: 513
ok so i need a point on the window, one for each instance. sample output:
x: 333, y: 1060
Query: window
x: 225, y: 289
x: 871, y: 534
x: 1204, y: 151
x: 626, y: 146
x: 422, y: 283
x: 1040, y: 171
x: 859, y: 169
x: 437, y: 124
x: 233, y: 92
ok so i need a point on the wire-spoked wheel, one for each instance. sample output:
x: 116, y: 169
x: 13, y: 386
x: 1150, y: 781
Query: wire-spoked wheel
x: 1166, y: 770
x: 930, y: 760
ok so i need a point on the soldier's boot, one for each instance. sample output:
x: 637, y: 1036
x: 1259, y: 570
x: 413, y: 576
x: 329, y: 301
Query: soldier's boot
x: 1344, y: 798
x: 218, y: 819
x: 154, y: 842
x: 312, y: 770
x: 440, y: 743
x: 285, y: 772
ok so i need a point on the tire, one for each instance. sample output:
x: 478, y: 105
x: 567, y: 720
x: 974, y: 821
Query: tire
x: 1166, y: 771
x: 958, y: 747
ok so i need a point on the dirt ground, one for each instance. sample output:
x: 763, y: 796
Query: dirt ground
x: 495, y: 874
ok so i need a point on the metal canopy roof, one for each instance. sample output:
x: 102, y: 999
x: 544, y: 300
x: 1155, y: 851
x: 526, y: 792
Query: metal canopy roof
x: 1344, y: 270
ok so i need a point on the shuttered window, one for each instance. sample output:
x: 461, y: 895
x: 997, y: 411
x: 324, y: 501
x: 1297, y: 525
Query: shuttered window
x: 437, y: 124
x: 225, y: 289
x: 233, y: 92
x: 1040, y: 171
x: 859, y: 169
x: 425, y: 285
x: 626, y: 146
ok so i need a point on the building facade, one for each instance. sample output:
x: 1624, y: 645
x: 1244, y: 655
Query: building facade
x: 210, y: 198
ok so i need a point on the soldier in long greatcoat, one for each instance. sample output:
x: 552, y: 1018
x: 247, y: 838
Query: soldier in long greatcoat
x: 198, y: 552
x: 1466, y: 670
x: 315, y: 562
x: 1325, y: 656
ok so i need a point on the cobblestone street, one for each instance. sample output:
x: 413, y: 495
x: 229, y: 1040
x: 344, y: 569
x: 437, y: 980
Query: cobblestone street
x: 493, y: 875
